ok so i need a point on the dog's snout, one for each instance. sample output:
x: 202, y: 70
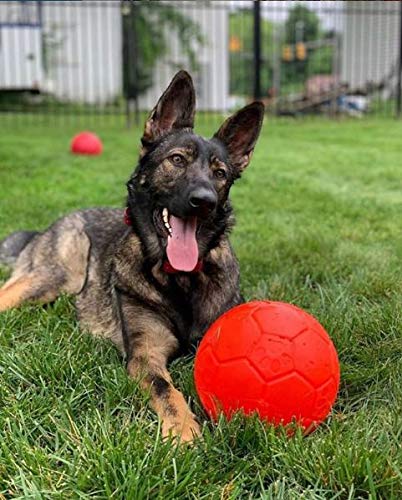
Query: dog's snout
x: 203, y: 199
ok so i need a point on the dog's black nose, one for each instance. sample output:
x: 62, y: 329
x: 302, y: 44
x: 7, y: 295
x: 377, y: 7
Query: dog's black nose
x: 203, y: 199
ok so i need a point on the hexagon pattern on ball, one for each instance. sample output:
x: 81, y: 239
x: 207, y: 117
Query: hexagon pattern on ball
x: 271, y: 358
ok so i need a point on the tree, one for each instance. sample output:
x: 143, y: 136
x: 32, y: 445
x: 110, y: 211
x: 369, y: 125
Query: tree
x: 320, y: 61
x: 147, y: 28
x: 302, y: 25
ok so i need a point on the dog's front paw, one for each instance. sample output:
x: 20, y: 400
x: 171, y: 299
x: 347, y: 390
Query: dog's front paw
x: 186, y: 430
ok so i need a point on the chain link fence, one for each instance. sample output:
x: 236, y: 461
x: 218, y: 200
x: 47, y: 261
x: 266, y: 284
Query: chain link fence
x: 92, y: 59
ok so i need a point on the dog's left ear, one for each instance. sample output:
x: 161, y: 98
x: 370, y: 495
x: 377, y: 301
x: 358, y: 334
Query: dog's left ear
x: 174, y: 110
x: 239, y: 133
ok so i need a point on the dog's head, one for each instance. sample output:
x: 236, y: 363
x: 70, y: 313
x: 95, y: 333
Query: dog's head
x: 178, y: 194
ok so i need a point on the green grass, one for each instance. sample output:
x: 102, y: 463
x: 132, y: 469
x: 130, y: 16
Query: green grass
x: 319, y: 225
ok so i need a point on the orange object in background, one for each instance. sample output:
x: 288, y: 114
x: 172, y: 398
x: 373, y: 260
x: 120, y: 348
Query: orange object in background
x: 287, y: 53
x: 301, y: 52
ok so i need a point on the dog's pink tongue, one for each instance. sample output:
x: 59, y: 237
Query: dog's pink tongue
x: 182, y: 248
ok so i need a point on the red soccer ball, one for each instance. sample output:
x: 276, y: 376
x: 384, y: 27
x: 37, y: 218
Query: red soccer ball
x: 271, y: 358
x: 86, y: 143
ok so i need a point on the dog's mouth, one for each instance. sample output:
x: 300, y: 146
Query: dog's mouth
x: 182, y: 247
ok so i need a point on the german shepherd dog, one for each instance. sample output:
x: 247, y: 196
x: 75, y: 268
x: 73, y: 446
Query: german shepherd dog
x: 155, y: 286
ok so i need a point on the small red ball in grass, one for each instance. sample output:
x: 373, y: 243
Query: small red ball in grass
x: 269, y: 358
x: 86, y: 143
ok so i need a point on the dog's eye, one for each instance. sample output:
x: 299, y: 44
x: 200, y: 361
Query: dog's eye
x: 220, y: 173
x: 178, y: 160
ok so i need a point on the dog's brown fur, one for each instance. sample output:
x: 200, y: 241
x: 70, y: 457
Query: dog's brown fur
x: 116, y: 272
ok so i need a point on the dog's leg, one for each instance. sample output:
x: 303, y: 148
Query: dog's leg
x: 169, y: 403
x: 9, y: 282
x: 27, y: 287
x: 12, y: 294
x: 149, y: 344
x: 55, y: 261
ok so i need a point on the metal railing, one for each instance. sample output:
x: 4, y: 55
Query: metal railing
x: 97, y: 58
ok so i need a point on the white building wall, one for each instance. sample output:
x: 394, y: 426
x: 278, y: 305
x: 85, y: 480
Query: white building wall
x: 83, y: 47
x: 86, y: 60
x: 20, y: 47
x: 20, y: 58
x: 83, y: 42
x: 370, y: 45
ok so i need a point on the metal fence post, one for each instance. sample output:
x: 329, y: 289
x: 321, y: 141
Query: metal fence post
x: 399, y: 81
x: 130, y: 60
x: 257, y: 49
x: 276, y: 51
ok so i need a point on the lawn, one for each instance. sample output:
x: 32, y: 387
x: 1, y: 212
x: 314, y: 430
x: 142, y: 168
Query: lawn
x: 319, y: 225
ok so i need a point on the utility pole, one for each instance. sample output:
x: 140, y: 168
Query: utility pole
x: 257, y: 49
x: 276, y: 44
x: 399, y: 84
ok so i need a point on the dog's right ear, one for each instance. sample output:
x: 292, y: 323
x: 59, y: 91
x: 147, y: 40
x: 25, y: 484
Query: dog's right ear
x: 174, y: 110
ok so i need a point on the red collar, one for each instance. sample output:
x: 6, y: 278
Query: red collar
x: 167, y: 267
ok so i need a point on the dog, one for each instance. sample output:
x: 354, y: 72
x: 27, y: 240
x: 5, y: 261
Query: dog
x: 151, y: 279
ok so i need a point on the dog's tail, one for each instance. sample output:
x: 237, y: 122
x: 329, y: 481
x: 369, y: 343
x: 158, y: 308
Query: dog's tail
x: 13, y: 245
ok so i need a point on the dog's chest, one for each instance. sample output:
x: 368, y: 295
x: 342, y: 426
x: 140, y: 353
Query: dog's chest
x: 179, y: 300
x: 181, y: 295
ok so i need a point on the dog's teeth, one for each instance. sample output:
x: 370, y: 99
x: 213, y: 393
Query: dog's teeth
x: 165, y: 217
